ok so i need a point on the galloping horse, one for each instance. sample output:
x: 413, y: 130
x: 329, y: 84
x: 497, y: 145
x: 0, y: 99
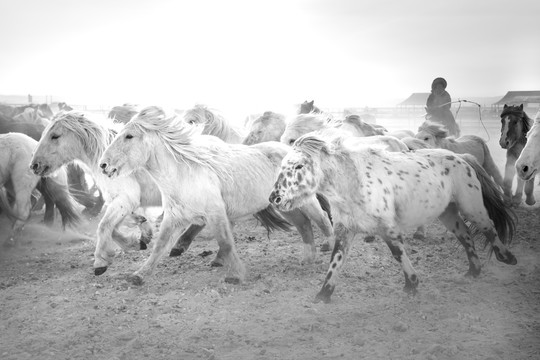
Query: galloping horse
x: 214, y: 124
x: 268, y: 127
x: 15, y: 153
x: 71, y: 136
x: 436, y: 136
x: 204, y: 182
x: 515, y: 125
x: 528, y: 163
x: 374, y: 191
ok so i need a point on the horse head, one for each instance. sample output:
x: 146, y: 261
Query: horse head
x: 308, y: 107
x: 268, y: 127
x: 514, y: 126
x: 298, y: 178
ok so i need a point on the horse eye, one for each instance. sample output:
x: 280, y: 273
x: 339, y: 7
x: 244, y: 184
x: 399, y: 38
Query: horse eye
x: 298, y: 167
x: 54, y: 137
x: 291, y: 141
x: 129, y: 136
x: 191, y: 122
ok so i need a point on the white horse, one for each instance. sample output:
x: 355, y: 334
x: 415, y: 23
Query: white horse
x: 19, y: 181
x: 71, y: 136
x: 376, y: 191
x: 528, y: 163
x: 204, y: 182
x: 437, y: 136
x: 214, y: 123
x: 267, y: 127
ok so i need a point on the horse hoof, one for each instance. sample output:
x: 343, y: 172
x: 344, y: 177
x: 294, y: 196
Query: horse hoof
x: 176, y: 252
x: 472, y: 273
x: 410, y: 290
x: 419, y: 236
x: 135, y: 280
x: 530, y: 202
x: 142, y: 245
x: 322, y: 297
x: 100, y: 270
x: 216, y: 263
x: 325, y: 247
x: 369, y: 239
x: 232, y: 280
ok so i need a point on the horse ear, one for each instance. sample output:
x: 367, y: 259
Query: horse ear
x: 521, y: 107
x: 505, y: 106
x: 311, y: 102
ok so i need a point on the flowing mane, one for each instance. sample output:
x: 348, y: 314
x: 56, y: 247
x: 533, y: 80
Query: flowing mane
x: 94, y: 136
x: 181, y: 140
x: 435, y: 129
x: 314, y: 121
x: 214, y: 123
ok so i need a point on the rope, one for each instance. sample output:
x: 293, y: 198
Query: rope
x: 479, y: 113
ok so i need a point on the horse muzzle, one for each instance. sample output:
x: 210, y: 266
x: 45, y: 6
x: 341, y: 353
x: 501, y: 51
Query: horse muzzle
x: 108, y: 170
x: 39, y: 169
x: 525, y: 172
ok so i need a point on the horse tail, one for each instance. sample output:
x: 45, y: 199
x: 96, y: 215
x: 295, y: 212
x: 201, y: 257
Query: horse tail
x: 61, y: 197
x: 490, y: 166
x: 503, y: 217
x: 271, y: 220
x: 325, y: 205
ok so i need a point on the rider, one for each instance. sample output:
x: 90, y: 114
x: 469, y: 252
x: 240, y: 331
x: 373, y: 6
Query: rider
x: 438, y: 106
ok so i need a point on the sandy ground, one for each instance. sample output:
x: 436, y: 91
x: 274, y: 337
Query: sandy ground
x: 53, y: 307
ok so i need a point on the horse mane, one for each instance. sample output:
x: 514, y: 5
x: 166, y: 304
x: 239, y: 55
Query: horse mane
x: 433, y: 128
x: 269, y: 115
x: 311, y: 145
x: 362, y: 126
x: 516, y: 110
x: 321, y: 121
x: 178, y: 138
x: 94, y: 137
x: 214, y: 122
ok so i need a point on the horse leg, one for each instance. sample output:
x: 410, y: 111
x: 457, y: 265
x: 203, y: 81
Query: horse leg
x: 312, y: 209
x: 476, y: 213
x: 516, y: 199
x: 185, y: 240
x: 509, y: 173
x: 454, y: 223
x: 107, y: 230
x: 48, y: 218
x: 420, y: 233
x: 394, y: 240
x: 303, y: 225
x: 227, y: 254
x: 21, y: 208
x: 529, y: 192
x: 343, y: 241
x: 169, y: 229
x: 146, y: 230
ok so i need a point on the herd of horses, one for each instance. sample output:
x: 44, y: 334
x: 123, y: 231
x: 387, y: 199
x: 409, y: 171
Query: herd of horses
x: 346, y: 176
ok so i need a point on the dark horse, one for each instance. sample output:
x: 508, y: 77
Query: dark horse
x: 515, y: 125
x: 308, y: 107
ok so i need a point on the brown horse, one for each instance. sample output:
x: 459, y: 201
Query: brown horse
x: 515, y: 125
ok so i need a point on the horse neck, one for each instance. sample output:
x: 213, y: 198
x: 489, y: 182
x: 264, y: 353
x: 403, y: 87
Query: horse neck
x: 169, y: 174
x: 91, y: 154
x: 333, y: 181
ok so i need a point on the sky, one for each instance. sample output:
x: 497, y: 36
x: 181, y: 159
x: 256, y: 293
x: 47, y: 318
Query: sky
x: 266, y: 55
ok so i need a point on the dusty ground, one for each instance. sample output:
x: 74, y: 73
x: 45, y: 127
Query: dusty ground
x: 53, y: 307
